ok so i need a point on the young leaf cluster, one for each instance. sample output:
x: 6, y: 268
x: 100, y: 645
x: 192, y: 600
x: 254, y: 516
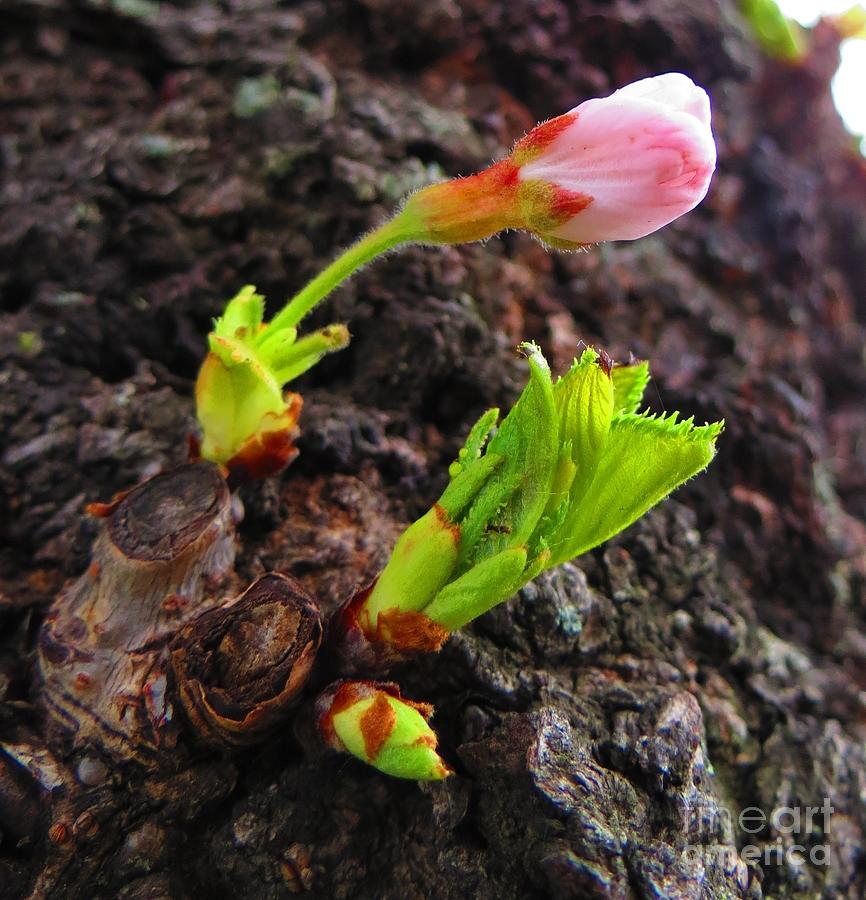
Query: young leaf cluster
x: 570, y: 466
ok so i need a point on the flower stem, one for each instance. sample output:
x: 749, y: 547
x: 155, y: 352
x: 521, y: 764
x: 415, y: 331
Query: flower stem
x: 382, y: 239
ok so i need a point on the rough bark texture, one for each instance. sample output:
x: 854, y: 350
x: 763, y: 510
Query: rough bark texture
x: 712, y: 658
x: 165, y: 551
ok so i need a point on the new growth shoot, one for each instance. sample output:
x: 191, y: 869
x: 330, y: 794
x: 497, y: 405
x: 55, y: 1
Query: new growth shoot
x: 571, y: 465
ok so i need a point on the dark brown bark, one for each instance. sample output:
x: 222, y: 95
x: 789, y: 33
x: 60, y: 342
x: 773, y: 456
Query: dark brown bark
x: 601, y: 724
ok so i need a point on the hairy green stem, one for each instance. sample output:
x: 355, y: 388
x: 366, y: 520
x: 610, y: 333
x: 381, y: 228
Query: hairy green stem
x: 386, y: 237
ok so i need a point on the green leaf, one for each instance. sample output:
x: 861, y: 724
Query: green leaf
x: 515, y: 499
x: 563, y: 477
x: 536, y: 565
x: 475, y: 441
x: 464, y: 487
x: 629, y: 384
x: 584, y: 403
x: 778, y: 36
x: 644, y: 459
x: 481, y: 588
x: 487, y: 514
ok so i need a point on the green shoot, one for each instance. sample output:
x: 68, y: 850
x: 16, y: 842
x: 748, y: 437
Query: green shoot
x: 571, y: 465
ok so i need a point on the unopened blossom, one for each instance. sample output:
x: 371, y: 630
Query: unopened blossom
x: 370, y: 720
x: 614, y: 168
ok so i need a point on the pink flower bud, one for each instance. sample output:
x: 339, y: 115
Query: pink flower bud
x: 639, y: 158
x: 611, y: 169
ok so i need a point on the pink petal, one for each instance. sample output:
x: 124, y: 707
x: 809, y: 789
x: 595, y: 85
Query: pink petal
x: 673, y: 90
x: 644, y: 162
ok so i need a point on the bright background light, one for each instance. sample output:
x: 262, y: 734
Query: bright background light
x: 849, y: 84
x: 807, y: 12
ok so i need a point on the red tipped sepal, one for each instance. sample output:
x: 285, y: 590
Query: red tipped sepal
x: 362, y: 642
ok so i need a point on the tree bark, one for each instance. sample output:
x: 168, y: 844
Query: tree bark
x: 614, y: 727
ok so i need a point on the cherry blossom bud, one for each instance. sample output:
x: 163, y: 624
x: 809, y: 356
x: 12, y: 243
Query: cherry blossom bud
x: 615, y: 168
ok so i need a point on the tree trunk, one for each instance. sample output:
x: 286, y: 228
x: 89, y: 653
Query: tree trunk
x: 672, y: 715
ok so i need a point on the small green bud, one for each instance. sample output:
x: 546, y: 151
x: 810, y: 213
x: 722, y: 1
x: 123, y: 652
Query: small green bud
x: 29, y: 342
x: 374, y: 723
